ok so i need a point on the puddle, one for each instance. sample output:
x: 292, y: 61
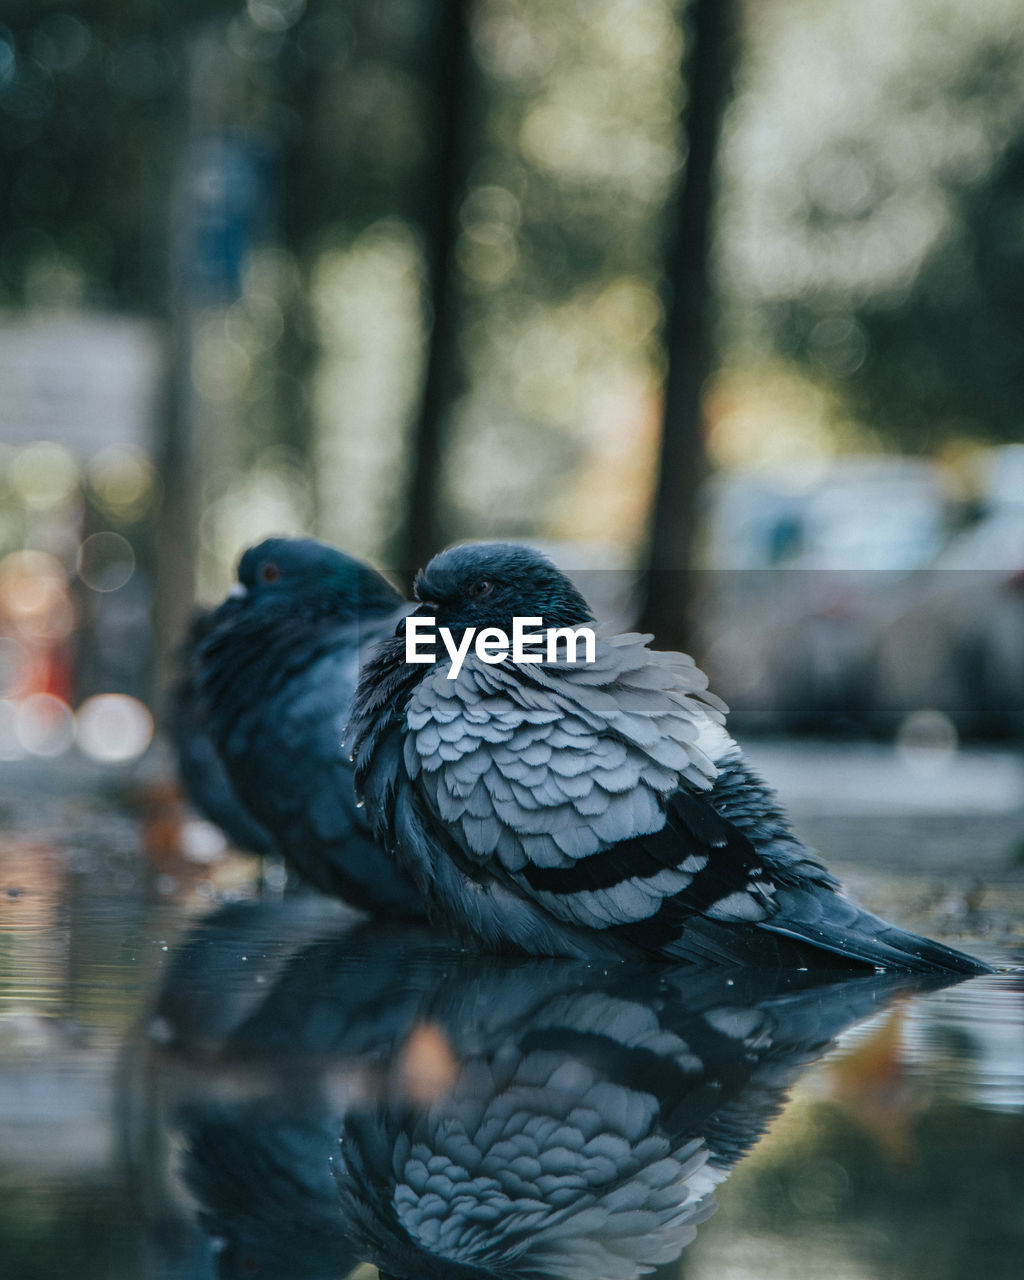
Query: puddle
x: 194, y: 1084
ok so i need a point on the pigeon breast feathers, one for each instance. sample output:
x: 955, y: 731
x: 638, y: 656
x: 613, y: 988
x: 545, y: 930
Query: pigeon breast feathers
x: 542, y: 765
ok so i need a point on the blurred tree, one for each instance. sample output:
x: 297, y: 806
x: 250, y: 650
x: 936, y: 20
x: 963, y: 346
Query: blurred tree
x: 352, y: 88
x: 947, y: 360
x: 92, y: 113
x: 421, y: 532
x: 575, y: 155
x: 872, y: 195
x: 139, y: 144
x: 710, y: 51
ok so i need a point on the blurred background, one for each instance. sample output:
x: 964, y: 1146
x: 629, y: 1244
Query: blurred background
x: 721, y: 302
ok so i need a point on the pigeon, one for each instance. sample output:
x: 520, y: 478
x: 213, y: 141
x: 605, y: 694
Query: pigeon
x: 273, y: 672
x: 590, y: 1117
x: 200, y: 768
x: 577, y: 807
x: 453, y: 1114
x: 220, y: 971
x: 270, y: 1020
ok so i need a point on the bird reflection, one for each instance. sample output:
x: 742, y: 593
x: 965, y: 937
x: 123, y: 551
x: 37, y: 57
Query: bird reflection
x: 397, y: 1101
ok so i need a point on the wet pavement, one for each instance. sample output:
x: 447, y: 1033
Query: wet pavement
x: 197, y: 1083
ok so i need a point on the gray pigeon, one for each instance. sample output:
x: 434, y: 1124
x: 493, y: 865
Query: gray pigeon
x: 591, y: 1114
x: 484, y: 1118
x: 272, y: 674
x: 568, y: 808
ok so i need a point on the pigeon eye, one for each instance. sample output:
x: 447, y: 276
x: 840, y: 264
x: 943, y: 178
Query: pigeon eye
x: 481, y: 588
x: 270, y: 572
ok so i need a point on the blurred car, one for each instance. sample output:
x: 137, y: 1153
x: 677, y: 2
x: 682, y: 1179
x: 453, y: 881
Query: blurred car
x: 955, y: 644
x: 803, y: 561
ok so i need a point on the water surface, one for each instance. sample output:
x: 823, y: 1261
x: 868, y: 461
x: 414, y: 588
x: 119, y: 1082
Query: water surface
x: 197, y: 1084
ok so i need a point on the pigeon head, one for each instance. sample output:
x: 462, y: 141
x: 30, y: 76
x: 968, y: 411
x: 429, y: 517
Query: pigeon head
x: 281, y: 572
x: 489, y: 584
x: 295, y: 600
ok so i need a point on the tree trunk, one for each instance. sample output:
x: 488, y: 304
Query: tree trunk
x: 668, y: 586
x: 421, y: 532
x: 175, y: 534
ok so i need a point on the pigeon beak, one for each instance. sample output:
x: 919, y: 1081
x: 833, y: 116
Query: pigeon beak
x: 238, y: 592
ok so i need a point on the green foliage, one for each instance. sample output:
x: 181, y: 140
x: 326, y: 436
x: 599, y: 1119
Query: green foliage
x: 949, y: 359
x: 874, y: 188
x: 89, y: 101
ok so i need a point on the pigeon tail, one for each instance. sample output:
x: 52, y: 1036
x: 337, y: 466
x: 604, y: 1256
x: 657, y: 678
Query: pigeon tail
x: 835, y: 924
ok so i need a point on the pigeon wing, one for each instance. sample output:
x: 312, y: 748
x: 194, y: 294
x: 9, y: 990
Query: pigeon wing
x: 547, y: 775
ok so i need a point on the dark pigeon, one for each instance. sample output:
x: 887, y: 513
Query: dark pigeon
x: 567, y: 808
x: 269, y: 1019
x: 259, y: 1148
x: 200, y: 768
x: 273, y: 673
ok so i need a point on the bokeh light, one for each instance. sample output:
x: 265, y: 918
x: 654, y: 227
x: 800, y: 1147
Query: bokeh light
x: 112, y: 728
x: 121, y: 482
x: 44, y: 474
x: 275, y: 15
x: 201, y: 841
x: 44, y: 725
x: 927, y: 741
x: 33, y: 595
x: 106, y: 561
x: 222, y: 368
x: 28, y: 582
